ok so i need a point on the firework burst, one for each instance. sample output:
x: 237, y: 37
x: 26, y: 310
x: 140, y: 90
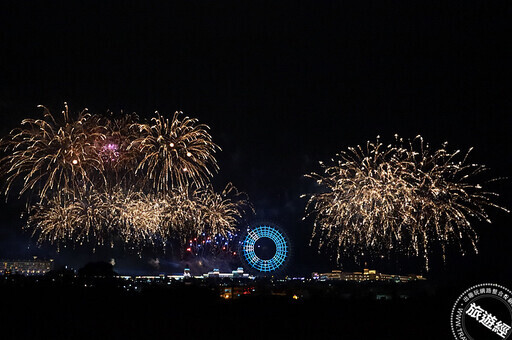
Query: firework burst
x: 54, y: 220
x: 399, y: 197
x: 53, y: 153
x: 68, y: 217
x: 176, y: 152
x: 137, y: 218
x: 217, y: 246
x: 221, y: 212
x: 114, y: 150
x: 194, y: 212
x: 100, y: 179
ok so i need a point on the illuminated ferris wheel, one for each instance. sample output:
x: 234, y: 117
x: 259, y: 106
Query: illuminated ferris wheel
x: 265, y: 248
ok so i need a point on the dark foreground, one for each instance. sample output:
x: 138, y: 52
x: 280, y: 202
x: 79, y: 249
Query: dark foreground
x: 320, y: 310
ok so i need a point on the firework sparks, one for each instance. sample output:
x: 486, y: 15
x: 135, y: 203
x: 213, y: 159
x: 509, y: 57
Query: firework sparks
x: 216, y: 245
x: 221, y: 211
x: 114, y: 149
x: 216, y: 218
x: 53, y: 153
x: 55, y: 220
x: 402, y: 196
x: 98, y: 178
x: 193, y: 212
x: 66, y: 216
x: 69, y: 154
x: 175, y: 152
x: 137, y: 218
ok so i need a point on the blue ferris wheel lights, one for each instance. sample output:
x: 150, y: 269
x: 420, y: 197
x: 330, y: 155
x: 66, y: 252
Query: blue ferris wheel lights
x: 248, y: 245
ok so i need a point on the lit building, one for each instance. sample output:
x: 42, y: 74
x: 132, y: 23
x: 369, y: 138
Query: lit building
x: 365, y: 275
x: 26, y: 267
x: 186, y: 273
x: 235, y: 274
x: 229, y: 293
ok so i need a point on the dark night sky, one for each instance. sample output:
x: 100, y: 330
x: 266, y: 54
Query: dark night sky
x: 282, y: 84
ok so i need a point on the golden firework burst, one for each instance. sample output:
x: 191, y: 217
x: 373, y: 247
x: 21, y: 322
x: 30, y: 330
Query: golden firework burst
x: 402, y: 196
x: 176, y: 152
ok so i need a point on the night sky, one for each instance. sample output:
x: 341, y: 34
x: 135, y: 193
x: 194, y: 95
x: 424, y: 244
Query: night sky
x: 282, y: 85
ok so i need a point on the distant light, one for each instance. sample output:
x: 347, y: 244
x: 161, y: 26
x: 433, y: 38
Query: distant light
x: 74, y: 161
x: 171, y: 145
x: 295, y: 297
x: 189, y: 154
